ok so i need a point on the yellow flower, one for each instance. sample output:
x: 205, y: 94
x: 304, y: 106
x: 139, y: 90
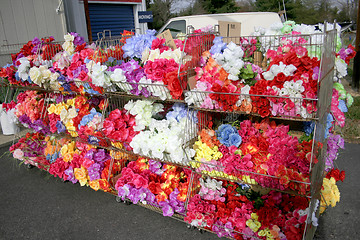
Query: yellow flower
x: 254, y: 216
x: 81, y: 175
x: 253, y: 225
x: 71, y: 102
x: 68, y: 157
x: 52, y: 108
x: 330, y: 194
x: 94, y: 184
x: 58, y: 108
x: 70, y: 126
x: 64, y: 150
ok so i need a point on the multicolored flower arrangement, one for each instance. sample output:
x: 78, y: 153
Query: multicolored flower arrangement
x: 30, y: 110
x: 260, y: 151
x: 287, y: 88
x: 229, y: 209
x: 160, y: 137
x: 79, y: 162
x: 30, y: 149
x: 119, y: 128
x: 227, y: 79
x: 78, y: 116
x: 151, y: 182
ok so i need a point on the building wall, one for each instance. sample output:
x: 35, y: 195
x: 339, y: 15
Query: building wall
x: 22, y: 20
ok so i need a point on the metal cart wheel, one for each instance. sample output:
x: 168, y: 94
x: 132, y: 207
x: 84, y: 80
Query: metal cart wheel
x: 28, y: 166
x: 118, y: 199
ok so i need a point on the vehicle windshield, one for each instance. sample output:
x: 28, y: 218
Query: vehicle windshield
x: 176, y: 27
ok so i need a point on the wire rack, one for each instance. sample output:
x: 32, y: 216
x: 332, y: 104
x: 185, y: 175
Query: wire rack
x: 108, y: 46
x: 254, y: 53
x: 321, y: 46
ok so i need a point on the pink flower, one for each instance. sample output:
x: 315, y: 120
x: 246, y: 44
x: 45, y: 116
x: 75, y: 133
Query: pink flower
x: 18, y: 154
x: 139, y: 181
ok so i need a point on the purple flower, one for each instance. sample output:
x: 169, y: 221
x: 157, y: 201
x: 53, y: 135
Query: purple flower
x: 168, y: 211
x: 78, y: 40
x: 70, y: 175
x: 334, y: 143
x: 25, y: 120
x: 316, y: 71
x: 60, y: 127
x: 155, y: 167
x: 94, y: 171
x: 222, y: 230
x: 90, y: 154
x: 124, y: 191
x: 101, y: 155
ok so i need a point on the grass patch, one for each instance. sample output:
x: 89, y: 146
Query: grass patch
x: 354, y: 111
x: 351, y: 130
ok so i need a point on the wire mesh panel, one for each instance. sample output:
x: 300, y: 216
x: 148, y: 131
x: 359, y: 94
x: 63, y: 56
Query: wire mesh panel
x: 213, y: 85
x: 110, y: 48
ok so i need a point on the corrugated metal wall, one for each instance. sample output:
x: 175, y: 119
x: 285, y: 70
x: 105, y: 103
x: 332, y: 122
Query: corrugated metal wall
x: 113, y: 17
x: 21, y: 20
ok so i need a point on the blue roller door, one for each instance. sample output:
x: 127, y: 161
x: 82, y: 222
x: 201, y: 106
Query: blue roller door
x: 113, y: 17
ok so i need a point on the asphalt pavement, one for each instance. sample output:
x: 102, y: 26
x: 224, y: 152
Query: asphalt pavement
x: 35, y: 205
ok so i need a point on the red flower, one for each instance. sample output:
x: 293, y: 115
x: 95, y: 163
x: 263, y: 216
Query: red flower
x: 336, y: 174
x: 173, y: 84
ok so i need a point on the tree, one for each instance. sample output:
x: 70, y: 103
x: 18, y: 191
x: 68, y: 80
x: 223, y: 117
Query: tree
x: 161, y: 12
x: 220, y: 6
x: 245, y: 5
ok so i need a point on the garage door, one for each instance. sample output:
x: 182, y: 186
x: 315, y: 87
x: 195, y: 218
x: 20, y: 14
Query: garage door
x: 113, y: 17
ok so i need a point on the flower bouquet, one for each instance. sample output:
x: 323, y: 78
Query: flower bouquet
x: 160, y: 136
x: 31, y: 112
x: 154, y: 183
x: 255, y: 153
x: 30, y: 149
x: 236, y: 211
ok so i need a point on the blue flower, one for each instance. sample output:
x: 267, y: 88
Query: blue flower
x: 60, y: 127
x: 17, y: 76
x: 93, y: 140
x: 135, y: 45
x: 54, y: 157
x: 235, y: 139
x: 218, y: 46
x: 308, y: 127
x: 228, y: 135
x: 179, y: 112
x: 342, y: 106
x: 329, y: 121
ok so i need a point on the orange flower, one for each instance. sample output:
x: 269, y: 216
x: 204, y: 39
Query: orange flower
x: 81, y: 175
x: 104, y: 185
x: 95, y: 184
x: 223, y: 75
x: 161, y: 197
x: 68, y: 157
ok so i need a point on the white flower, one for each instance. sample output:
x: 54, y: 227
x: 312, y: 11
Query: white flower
x: 62, y: 59
x: 119, y: 78
x: 145, y: 55
x: 68, y: 47
x: 35, y: 75
x: 69, y: 38
x: 172, y: 54
x: 45, y: 72
x: 98, y: 76
x: 268, y: 75
x: 24, y: 68
x: 340, y: 67
x: 154, y: 54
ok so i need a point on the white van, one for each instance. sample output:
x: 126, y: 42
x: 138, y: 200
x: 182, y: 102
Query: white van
x: 248, y: 21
